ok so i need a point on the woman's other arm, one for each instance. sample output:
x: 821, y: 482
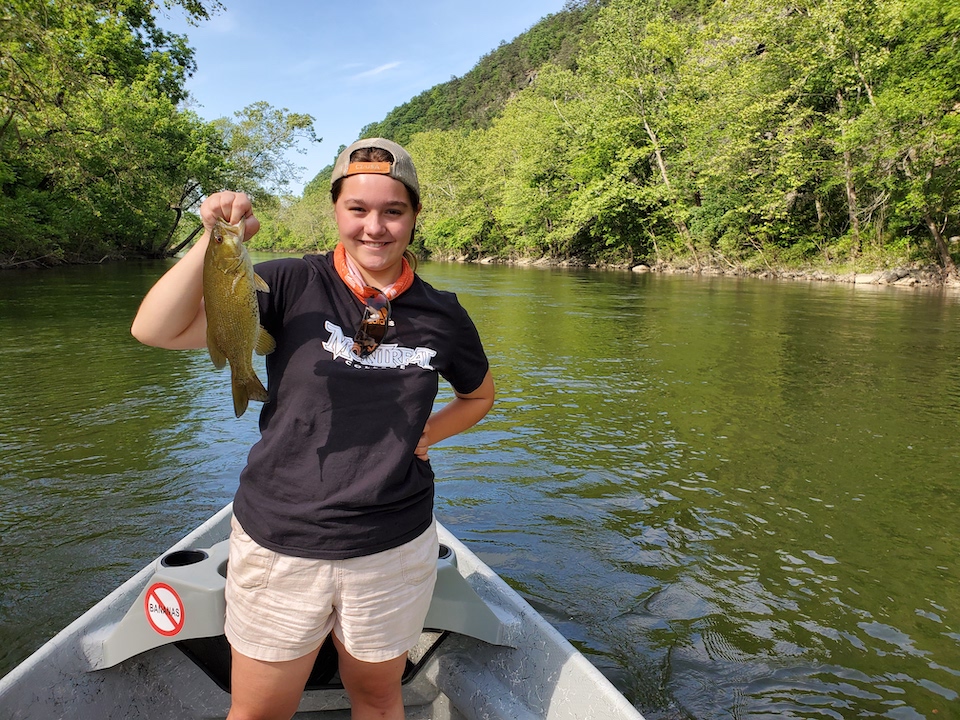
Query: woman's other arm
x: 461, y: 413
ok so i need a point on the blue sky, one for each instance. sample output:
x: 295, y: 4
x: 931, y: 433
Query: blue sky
x: 346, y: 63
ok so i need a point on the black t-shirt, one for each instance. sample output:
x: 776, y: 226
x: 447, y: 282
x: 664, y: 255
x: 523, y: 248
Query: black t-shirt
x: 333, y: 475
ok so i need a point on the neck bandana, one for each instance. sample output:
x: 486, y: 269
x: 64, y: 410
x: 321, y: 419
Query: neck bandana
x: 350, y: 274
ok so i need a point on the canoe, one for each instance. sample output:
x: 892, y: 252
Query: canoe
x: 154, y: 648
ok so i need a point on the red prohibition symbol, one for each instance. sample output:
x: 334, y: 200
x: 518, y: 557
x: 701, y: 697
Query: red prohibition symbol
x: 164, y: 609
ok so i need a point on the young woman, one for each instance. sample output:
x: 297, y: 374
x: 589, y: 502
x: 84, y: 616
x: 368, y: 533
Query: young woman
x: 333, y: 526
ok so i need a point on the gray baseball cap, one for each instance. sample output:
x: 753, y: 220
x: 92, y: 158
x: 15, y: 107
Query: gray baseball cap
x: 401, y: 168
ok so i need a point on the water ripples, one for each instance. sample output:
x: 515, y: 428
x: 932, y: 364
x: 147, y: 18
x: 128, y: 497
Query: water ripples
x: 737, y: 499
x: 720, y: 508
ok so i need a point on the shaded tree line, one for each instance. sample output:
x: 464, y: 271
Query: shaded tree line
x: 99, y: 158
x: 737, y: 134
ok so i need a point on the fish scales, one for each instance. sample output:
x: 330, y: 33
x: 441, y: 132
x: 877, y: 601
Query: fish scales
x: 234, y: 333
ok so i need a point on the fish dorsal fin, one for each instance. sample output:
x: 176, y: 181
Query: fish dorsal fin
x: 260, y: 284
x: 265, y: 342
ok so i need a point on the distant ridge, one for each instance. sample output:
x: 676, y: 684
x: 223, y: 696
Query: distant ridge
x: 474, y: 100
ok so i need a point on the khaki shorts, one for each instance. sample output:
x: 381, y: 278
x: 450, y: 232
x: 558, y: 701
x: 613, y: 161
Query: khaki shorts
x: 281, y: 607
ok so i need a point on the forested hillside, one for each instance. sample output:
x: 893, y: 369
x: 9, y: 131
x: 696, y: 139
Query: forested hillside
x: 474, y: 100
x: 744, y: 134
x: 738, y: 134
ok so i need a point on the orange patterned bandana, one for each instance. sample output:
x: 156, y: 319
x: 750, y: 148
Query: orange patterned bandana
x: 350, y: 274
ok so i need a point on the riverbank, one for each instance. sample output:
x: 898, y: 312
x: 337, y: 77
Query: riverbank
x: 915, y: 276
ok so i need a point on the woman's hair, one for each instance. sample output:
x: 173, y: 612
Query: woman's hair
x: 376, y: 154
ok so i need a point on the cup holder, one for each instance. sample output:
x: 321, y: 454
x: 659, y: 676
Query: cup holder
x: 182, y: 558
x: 447, y: 555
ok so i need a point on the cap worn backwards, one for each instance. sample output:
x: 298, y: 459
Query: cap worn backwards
x: 401, y: 168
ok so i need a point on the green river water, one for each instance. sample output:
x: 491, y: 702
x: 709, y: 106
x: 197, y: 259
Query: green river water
x: 739, y: 498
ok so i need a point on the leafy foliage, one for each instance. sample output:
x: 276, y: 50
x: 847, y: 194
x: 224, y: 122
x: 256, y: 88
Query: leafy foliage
x: 91, y: 142
x: 97, y: 158
x: 722, y: 133
x: 708, y: 132
x: 258, y: 142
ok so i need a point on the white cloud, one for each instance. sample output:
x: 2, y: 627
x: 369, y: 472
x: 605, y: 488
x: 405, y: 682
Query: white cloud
x: 376, y: 71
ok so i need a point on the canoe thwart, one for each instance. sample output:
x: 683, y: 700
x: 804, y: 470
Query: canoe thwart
x: 184, y: 600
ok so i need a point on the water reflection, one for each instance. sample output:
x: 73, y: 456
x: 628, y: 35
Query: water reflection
x: 738, y: 498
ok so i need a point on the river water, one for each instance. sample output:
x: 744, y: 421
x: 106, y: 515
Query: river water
x: 739, y: 498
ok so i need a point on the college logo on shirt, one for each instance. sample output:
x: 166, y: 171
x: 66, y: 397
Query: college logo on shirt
x: 385, y: 356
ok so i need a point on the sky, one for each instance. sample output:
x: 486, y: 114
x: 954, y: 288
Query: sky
x: 346, y: 63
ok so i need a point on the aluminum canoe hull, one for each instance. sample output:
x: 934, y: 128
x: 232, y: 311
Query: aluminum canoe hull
x: 525, y: 670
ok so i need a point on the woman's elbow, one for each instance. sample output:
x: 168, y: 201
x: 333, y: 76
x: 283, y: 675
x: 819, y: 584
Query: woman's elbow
x: 158, y: 336
x: 141, y: 333
x: 487, y: 393
x: 147, y: 336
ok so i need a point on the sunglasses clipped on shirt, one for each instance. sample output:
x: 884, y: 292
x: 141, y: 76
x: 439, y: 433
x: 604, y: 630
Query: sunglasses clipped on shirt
x: 373, y: 324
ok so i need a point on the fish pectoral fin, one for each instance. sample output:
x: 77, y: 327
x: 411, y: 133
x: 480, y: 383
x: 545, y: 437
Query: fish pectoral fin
x: 260, y: 284
x: 219, y: 359
x: 265, y: 342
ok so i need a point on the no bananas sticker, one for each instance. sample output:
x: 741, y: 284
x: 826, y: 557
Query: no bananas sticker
x: 164, y: 609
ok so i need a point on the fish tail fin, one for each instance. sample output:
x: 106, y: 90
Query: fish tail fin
x: 245, y: 390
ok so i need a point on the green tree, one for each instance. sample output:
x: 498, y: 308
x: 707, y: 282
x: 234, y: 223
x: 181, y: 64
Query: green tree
x: 83, y: 86
x: 459, y: 194
x: 258, y: 144
x: 913, y: 123
x: 634, y: 61
x: 744, y: 162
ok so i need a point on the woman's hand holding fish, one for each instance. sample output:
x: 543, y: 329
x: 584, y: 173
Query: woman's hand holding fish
x: 172, y: 314
x: 231, y: 207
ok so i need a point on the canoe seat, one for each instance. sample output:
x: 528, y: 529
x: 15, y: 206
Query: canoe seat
x: 212, y: 655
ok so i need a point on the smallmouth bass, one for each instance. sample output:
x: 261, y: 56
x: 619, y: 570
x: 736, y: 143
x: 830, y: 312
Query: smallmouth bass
x: 234, y: 332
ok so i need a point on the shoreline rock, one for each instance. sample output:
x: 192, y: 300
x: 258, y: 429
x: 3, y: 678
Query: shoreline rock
x: 929, y: 276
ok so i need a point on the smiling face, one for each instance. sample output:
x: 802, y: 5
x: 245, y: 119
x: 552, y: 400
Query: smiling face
x: 375, y: 219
